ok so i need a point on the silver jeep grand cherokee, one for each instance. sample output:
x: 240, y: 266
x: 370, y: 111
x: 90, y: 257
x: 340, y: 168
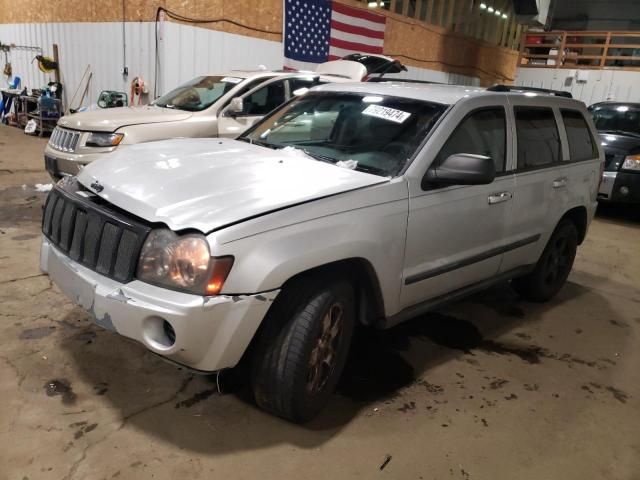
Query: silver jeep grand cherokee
x: 352, y: 204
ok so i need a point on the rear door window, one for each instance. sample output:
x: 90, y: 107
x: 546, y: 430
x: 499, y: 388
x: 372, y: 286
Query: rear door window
x: 250, y: 86
x: 265, y: 99
x: 538, y: 137
x: 581, y: 144
x: 482, y: 132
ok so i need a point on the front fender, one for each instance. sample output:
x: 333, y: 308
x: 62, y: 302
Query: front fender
x: 374, y: 232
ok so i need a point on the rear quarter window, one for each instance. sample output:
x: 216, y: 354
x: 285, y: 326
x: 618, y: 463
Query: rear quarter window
x: 538, y: 137
x: 581, y: 143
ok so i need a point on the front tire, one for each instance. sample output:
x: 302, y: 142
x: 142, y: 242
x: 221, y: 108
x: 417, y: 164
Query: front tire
x: 303, y: 347
x: 553, y: 267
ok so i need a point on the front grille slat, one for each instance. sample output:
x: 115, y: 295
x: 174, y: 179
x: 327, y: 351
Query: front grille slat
x: 66, y: 226
x: 92, y: 240
x: 94, y: 235
x: 67, y: 142
x: 56, y: 222
x: 108, y: 245
x: 74, y: 143
x: 48, y: 212
x: 80, y: 227
x: 63, y: 141
x: 126, y: 258
x: 53, y: 140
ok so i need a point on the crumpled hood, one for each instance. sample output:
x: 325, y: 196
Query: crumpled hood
x: 110, y: 119
x: 206, y: 184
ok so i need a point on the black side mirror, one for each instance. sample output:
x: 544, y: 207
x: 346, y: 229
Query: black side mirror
x: 462, y: 169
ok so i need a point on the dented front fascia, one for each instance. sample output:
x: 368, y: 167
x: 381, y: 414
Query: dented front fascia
x: 212, y: 333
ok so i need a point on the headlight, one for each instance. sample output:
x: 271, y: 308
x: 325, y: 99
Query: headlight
x: 632, y: 162
x: 104, y: 139
x: 182, y: 263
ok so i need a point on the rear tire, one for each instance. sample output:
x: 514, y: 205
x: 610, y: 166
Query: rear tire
x: 302, y: 348
x: 553, y: 267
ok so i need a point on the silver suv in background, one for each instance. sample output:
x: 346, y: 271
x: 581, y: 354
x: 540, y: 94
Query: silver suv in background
x: 364, y: 203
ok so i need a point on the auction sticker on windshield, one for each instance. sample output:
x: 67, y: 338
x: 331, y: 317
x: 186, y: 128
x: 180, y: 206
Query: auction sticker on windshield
x: 386, y: 113
x: 232, y: 79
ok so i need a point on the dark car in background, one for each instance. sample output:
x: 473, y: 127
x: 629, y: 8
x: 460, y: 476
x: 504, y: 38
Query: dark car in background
x: 618, y: 125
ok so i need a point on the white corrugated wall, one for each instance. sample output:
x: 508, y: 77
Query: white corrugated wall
x: 185, y: 51
x: 188, y: 51
x: 79, y: 45
x: 598, y: 85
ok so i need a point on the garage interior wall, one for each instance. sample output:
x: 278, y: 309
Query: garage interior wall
x: 588, y: 85
x: 184, y: 52
x: 91, y: 33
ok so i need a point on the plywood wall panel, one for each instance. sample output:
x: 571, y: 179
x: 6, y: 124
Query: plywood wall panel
x: 263, y: 15
x: 437, y: 48
x: 415, y: 43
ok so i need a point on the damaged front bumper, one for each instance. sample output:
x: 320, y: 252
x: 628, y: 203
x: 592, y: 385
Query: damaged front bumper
x: 204, y: 333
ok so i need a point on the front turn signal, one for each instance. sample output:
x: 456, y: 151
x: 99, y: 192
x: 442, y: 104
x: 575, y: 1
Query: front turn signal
x: 219, y: 272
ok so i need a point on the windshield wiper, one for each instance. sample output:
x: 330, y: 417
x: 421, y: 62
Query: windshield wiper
x: 333, y: 161
x: 272, y: 146
x: 372, y: 170
x: 361, y: 168
x: 317, y: 156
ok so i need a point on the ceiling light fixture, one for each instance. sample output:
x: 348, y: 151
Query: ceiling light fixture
x: 483, y: 6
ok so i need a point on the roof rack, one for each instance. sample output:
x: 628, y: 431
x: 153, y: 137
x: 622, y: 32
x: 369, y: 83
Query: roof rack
x: 405, y: 80
x: 516, y: 88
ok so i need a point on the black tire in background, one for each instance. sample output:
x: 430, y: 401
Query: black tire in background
x: 288, y: 376
x: 553, y: 267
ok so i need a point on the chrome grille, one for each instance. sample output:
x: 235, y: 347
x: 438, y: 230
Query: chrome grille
x: 93, y: 235
x: 64, y: 140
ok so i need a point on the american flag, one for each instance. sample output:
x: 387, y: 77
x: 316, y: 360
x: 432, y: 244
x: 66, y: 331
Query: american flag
x: 316, y: 31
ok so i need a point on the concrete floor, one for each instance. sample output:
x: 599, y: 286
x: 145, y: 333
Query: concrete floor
x: 490, y: 388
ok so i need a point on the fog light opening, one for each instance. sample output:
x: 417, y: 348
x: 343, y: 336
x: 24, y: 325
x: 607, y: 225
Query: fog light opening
x: 158, y: 333
x: 624, y: 191
x: 169, y: 333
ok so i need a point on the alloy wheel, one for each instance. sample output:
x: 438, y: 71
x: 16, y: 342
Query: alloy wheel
x: 558, y: 261
x: 324, y: 355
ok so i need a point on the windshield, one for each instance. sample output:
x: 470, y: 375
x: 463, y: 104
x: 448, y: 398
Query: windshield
x: 617, y: 118
x: 372, y: 133
x: 197, y: 94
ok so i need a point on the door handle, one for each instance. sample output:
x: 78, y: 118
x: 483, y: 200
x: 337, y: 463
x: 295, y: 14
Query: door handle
x: 499, y: 197
x: 560, y: 182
